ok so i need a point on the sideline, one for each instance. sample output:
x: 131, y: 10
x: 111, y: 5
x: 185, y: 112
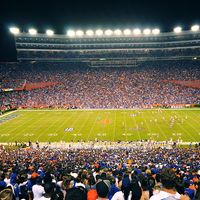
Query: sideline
x: 11, y: 112
x: 103, y: 109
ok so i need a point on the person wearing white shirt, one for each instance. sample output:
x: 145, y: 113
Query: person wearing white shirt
x: 168, y: 191
x: 38, y: 189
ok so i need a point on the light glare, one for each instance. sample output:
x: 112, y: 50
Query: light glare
x: 32, y: 31
x: 49, y: 32
x: 117, y: 32
x: 137, y: 31
x: 99, y: 32
x: 127, y: 32
x: 79, y: 33
x: 14, y: 30
x: 156, y: 31
x: 90, y: 32
x: 71, y: 33
x: 195, y: 28
x: 177, y: 29
x: 108, y: 32
x: 147, y: 31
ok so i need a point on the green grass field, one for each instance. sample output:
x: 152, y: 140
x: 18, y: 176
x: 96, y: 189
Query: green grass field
x: 112, y: 125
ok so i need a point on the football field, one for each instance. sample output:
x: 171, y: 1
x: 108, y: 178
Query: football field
x: 110, y: 125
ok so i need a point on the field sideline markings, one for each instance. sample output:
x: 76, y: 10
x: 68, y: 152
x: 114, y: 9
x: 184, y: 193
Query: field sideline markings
x: 131, y: 109
x: 1, y: 116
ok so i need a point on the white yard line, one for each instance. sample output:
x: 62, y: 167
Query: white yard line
x: 9, y: 113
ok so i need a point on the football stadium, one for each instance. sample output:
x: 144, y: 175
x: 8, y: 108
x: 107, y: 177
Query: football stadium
x: 110, y: 85
x: 100, y: 113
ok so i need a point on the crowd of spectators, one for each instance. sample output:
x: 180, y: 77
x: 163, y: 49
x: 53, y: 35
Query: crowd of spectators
x: 80, y: 51
x: 78, y: 173
x: 86, y: 87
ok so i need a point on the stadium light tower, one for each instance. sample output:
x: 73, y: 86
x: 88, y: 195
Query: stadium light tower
x: 99, y: 32
x: 177, y: 29
x: 117, y: 32
x: 147, y: 31
x: 71, y: 33
x: 49, y: 32
x: 108, y: 32
x: 137, y: 31
x: 195, y: 28
x: 79, y: 33
x: 156, y: 31
x: 90, y: 32
x: 32, y: 31
x: 14, y: 30
x: 127, y: 32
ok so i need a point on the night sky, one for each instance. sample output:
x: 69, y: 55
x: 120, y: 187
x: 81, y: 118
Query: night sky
x: 77, y: 14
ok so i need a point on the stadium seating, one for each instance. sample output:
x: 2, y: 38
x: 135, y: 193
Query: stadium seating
x: 62, y: 85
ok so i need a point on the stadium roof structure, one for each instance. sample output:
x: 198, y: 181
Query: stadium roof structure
x: 109, y: 47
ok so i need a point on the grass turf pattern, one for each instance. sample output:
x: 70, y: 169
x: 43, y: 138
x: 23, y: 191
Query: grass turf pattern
x: 109, y: 125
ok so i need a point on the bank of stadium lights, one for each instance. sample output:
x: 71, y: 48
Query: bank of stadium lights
x: 147, y: 31
x: 156, y: 31
x: 99, y: 32
x: 89, y: 32
x: 50, y: 32
x: 177, y: 29
x: 14, y: 30
x: 32, y: 31
x: 108, y: 32
x: 195, y: 28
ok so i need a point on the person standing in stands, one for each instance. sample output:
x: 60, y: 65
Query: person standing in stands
x: 103, y: 188
x: 168, y: 191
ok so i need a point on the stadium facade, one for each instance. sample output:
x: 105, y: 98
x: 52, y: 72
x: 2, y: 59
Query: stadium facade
x: 109, y: 50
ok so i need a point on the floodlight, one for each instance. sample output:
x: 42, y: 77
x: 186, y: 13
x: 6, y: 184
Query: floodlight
x: 195, y: 28
x: 127, y: 32
x: 156, y: 31
x: 79, y: 33
x: 117, y: 32
x: 99, y: 32
x: 90, y: 32
x: 147, y: 31
x: 177, y: 29
x: 14, y: 30
x: 71, y: 33
x: 108, y: 32
x: 137, y: 31
x: 49, y: 32
x: 32, y: 31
